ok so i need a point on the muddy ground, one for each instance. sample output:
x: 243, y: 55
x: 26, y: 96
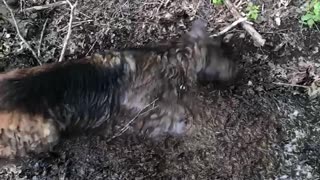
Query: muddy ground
x: 253, y: 129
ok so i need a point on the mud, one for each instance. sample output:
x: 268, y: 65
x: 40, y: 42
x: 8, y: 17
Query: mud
x: 251, y: 129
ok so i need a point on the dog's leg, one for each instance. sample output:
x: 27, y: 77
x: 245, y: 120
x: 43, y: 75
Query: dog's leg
x: 22, y: 133
x: 170, y: 118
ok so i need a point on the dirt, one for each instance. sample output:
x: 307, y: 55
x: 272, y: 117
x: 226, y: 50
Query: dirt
x: 253, y: 129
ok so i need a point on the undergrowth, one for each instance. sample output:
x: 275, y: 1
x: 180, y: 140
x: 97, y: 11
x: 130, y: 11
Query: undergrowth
x: 312, y: 15
x: 252, y: 11
x: 217, y: 2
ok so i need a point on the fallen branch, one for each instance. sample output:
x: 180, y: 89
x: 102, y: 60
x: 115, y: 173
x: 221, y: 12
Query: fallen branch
x: 230, y: 27
x: 72, y: 6
x: 291, y: 85
x: 38, y: 8
x: 19, y: 34
x: 255, y: 35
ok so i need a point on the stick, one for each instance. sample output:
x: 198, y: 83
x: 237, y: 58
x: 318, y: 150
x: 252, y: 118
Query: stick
x: 72, y: 6
x: 92, y: 47
x: 291, y: 85
x: 38, y: 8
x: 19, y: 34
x: 41, y: 36
x: 255, y: 35
x: 230, y: 27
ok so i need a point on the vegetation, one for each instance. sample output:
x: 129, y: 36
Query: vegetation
x: 217, y: 2
x: 252, y: 11
x: 312, y: 15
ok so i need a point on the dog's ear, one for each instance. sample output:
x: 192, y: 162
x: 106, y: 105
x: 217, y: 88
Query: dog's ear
x: 198, y: 33
x: 198, y: 30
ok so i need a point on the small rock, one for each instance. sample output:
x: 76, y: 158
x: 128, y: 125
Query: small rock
x: 242, y: 35
x: 277, y: 19
x: 284, y: 177
x: 168, y: 16
x: 316, y: 50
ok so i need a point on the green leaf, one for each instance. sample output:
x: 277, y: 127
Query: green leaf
x: 255, y: 16
x: 316, y: 18
x: 316, y: 8
x: 252, y: 11
x: 306, y: 17
x: 217, y: 2
x: 310, y: 23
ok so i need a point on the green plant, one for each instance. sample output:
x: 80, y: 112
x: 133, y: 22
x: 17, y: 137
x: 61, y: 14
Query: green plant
x: 217, y: 2
x: 252, y: 11
x: 312, y: 15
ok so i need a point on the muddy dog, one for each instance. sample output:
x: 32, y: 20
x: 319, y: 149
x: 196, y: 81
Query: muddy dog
x: 38, y: 104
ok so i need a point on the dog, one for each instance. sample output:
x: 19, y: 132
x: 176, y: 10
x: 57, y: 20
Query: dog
x: 39, y: 104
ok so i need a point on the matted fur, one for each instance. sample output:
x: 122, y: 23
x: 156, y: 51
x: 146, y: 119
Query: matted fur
x: 38, y: 104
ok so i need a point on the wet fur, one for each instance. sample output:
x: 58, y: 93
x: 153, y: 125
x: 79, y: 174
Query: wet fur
x: 78, y: 96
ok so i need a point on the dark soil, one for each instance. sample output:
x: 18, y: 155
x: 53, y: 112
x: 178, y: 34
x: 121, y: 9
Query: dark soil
x: 253, y: 129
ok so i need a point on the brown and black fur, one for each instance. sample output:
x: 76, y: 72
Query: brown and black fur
x: 40, y: 103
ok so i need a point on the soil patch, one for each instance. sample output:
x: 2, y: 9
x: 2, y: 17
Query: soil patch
x: 252, y: 129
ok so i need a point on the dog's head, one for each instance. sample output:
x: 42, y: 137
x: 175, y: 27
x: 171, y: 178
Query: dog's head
x: 211, y: 64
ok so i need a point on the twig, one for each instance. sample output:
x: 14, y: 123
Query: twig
x: 38, y: 8
x: 291, y: 85
x: 19, y: 34
x: 255, y: 35
x: 92, y: 47
x: 126, y: 127
x: 74, y: 24
x: 162, y: 2
x: 230, y: 26
x: 72, y: 6
x: 94, y: 43
x: 41, y: 36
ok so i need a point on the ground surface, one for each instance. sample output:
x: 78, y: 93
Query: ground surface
x: 251, y: 130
